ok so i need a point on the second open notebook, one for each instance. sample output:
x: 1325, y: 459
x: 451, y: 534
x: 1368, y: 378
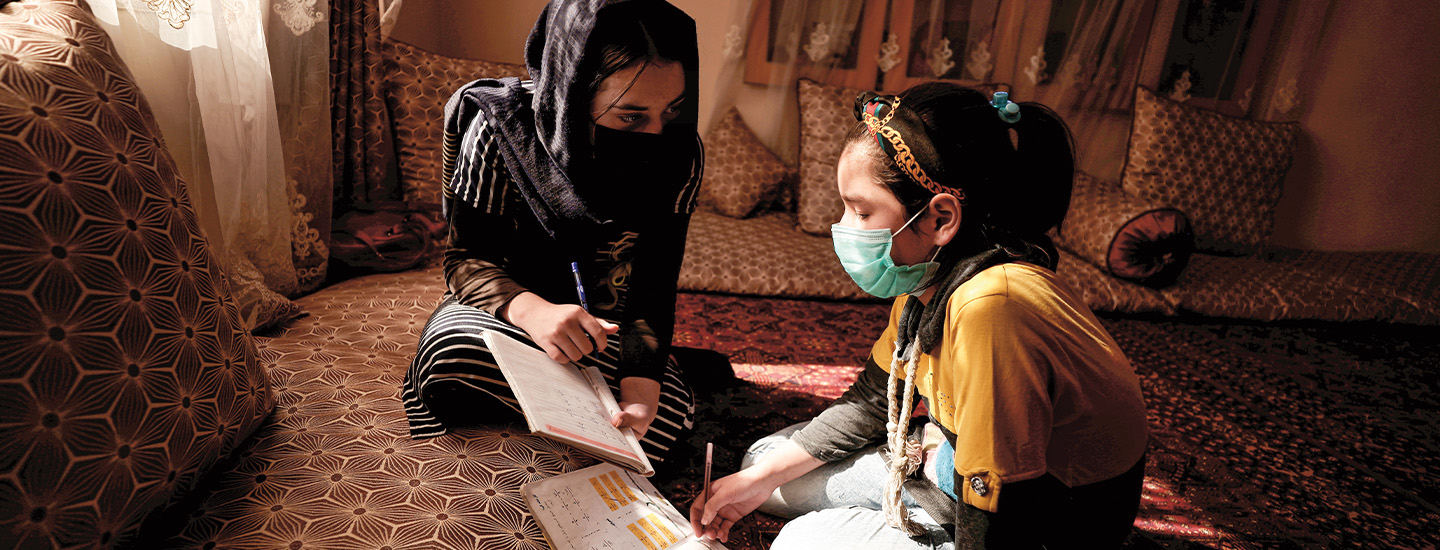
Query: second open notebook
x: 606, y: 508
x: 566, y: 403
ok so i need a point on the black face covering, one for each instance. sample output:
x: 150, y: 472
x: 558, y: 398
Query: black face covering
x: 636, y: 175
x: 543, y: 127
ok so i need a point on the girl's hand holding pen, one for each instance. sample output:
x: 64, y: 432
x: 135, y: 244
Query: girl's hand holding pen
x: 731, y: 498
x: 566, y: 332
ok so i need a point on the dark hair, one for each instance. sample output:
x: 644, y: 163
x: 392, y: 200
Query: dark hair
x: 1014, y: 191
x: 622, y: 38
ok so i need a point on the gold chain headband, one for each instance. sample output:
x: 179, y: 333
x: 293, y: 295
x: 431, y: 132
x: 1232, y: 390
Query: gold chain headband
x: 903, y: 157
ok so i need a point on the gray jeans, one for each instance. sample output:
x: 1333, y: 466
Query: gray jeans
x: 838, y: 505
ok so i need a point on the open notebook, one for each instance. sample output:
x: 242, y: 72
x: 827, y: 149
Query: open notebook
x: 603, y: 508
x: 566, y: 403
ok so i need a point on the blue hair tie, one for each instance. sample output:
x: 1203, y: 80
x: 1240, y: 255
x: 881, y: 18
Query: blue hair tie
x: 1009, y: 111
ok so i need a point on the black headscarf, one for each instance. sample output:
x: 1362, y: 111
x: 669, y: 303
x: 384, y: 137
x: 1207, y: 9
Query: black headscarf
x: 543, y: 127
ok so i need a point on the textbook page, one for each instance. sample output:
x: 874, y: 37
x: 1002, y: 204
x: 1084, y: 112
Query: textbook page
x: 604, y: 507
x: 565, y: 403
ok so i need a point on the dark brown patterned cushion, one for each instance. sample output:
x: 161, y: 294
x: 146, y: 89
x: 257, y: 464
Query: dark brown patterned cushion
x: 1127, y: 237
x: 417, y: 85
x: 1223, y: 172
x: 125, y: 370
x: 826, y: 114
x: 742, y: 176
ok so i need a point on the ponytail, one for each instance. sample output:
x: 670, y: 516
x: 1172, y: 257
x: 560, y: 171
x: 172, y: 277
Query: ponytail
x: 1037, y: 194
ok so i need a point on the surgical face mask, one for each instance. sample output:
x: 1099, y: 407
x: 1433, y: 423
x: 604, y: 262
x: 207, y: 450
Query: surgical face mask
x: 865, y: 254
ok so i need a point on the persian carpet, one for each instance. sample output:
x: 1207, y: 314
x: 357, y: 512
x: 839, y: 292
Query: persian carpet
x: 1263, y: 436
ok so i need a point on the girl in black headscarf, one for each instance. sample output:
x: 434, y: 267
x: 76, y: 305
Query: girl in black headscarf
x: 588, y: 171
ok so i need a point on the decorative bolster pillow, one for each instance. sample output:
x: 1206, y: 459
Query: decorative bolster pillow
x: 1128, y: 237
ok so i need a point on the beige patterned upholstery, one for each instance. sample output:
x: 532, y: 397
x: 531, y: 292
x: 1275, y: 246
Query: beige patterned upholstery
x: 1223, y: 172
x: 742, y: 176
x: 1252, y: 288
x: 1127, y: 237
x: 335, y: 467
x: 764, y: 255
x: 1406, y: 284
x: 826, y: 114
x: 1327, y: 286
x: 1389, y: 287
x: 418, y: 83
x: 125, y: 371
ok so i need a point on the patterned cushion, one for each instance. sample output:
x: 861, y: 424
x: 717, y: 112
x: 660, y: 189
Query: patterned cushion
x: 1127, y: 237
x: 826, y: 114
x: 1326, y: 286
x: 1253, y: 288
x: 1224, y: 172
x: 125, y: 370
x: 763, y: 255
x: 741, y: 174
x: 1405, y: 284
x: 1392, y: 287
x: 417, y: 85
x: 336, y: 467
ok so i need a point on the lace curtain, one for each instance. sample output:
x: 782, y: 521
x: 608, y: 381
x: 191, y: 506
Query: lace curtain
x: 814, y: 39
x: 1082, y: 58
x: 240, y: 91
x: 1089, y: 74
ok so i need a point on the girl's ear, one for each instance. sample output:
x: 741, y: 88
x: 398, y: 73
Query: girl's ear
x: 945, y: 217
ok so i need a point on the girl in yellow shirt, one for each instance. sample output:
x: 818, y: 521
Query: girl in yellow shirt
x: 1036, y: 421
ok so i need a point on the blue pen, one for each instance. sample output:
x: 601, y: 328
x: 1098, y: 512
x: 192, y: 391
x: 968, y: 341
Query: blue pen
x: 579, y: 285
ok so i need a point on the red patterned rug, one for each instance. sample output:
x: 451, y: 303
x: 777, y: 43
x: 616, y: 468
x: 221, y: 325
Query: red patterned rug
x: 1263, y: 436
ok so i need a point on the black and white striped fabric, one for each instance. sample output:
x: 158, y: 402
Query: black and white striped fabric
x: 486, y: 180
x: 454, y: 370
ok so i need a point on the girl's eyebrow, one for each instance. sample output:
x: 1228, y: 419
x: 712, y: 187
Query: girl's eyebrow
x: 854, y: 199
x: 633, y: 107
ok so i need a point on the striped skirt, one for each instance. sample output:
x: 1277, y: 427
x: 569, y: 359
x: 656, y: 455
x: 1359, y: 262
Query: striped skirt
x: 454, y: 381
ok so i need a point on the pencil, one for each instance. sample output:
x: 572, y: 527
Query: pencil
x: 709, y: 451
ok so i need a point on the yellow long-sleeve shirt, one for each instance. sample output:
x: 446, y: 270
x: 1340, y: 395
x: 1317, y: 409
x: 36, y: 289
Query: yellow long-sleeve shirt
x: 1030, y: 383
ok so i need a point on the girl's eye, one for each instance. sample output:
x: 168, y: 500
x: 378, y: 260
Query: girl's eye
x: 629, y: 119
x: 674, y: 108
x: 862, y: 217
